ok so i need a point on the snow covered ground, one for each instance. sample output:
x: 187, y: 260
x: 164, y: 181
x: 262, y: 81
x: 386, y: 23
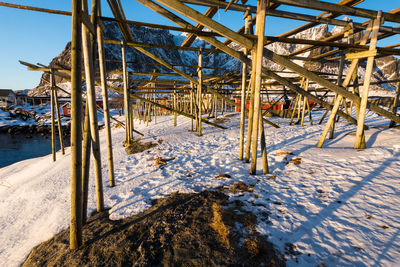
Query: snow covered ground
x: 43, y: 111
x: 337, y: 206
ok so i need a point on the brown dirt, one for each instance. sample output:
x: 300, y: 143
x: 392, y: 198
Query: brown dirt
x: 221, y: 120
x: 241, y: 187
x: 137, y: 146
x: 202, y: 229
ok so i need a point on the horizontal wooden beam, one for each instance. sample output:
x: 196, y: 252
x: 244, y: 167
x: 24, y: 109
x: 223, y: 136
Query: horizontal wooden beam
x: 174, y: 47
x: 344, y: 10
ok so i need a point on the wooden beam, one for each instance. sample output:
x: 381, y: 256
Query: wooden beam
x: 210, y: 12
x: 76, y: 129
x: 344, y: 10
x: 206, y: 21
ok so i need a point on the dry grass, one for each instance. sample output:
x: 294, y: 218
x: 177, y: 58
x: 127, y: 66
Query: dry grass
x: 221, y: 120
x: 218, y: 225
x: 252, y: 246
x: 281, y: 153
x: 221, y: 176
x: 241, y: 187
x: 296, y: 161
x: 136, y: 146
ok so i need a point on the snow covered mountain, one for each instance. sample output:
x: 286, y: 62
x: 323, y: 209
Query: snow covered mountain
x: 386, y: 68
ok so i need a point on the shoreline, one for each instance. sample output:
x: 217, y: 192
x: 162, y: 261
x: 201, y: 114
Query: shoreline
x: 32, y: 129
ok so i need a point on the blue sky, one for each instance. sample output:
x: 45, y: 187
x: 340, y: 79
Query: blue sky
x: 37, y: 37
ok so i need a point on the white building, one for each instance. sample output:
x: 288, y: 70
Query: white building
x: 7, y: 97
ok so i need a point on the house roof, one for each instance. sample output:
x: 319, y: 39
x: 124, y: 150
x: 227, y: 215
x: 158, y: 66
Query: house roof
x: 6, y: 92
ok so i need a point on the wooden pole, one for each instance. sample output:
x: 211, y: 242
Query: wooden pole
x: 305, y: 100
x: 104, y: 90
x: 396, y: 99
x: 243, y: 96
x: 87, y: 143
x: 128, y: 137
x: 53, y: 129
x: 199, y: 93
x: 349, y: 76
x: 76, y: 128
x: 339, y: 82
x: 261, y: 9
x: 264, y: 156
x: 296, y: 101
x: 57, y: 106
x: 360, y: 141
x: 91, y: 95
x: 175, y: 107
x: 191, y: 106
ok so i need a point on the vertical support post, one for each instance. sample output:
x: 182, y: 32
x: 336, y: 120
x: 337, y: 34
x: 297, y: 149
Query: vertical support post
x: 339, y: 82
x: 87, y: 142
x: 264, y: 155
x: 251, y: 107
x: 57, y: 106
x: 396, y: 99
x: 94, y: 127
x: 104, y: 91
x: 191, y: 105
x: 305, y: 101
x: 53, y: 128
x: 350, y: 75
x: 175, y: 107
x: 199, y: 88
x: 243, y: 99
x: 76, y: 128
x: 261, y: 10
x: 360, y: 141
x: 128, y: 132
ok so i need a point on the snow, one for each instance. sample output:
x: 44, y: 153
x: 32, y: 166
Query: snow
x: 41, y: 111
x: 338, y: 207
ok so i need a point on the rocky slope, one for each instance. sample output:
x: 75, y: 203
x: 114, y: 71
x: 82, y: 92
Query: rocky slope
x: 385, y: 68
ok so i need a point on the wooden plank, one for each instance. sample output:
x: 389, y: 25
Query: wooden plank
x: 363, y: 54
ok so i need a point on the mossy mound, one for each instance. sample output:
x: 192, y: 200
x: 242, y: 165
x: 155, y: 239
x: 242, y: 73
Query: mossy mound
x: 201, y: 229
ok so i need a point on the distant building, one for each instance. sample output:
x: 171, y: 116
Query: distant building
x: 66, y: 109
x: 7, y: 97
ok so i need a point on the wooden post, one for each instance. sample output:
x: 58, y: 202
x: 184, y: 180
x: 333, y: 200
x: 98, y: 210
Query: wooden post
x: 349, y: 76
x: 339, y: 82
x: 199, y: 93
x: 296, y: 102
x: 94, y: 130
x: 263, y: 147
x: 175, y: 107
x: 53, y: 129
x: 128, y: 132
x: 76, y: 128
x: 87, y: 142
x: 360, y: 141
x: 243, y: 93
x: 396, y: 99
x: 191, y: 106
x: 261, y: 10
x: 104, y: 91
x: 215, y: 107
x: 305, y: 101
x: 57, y: 106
